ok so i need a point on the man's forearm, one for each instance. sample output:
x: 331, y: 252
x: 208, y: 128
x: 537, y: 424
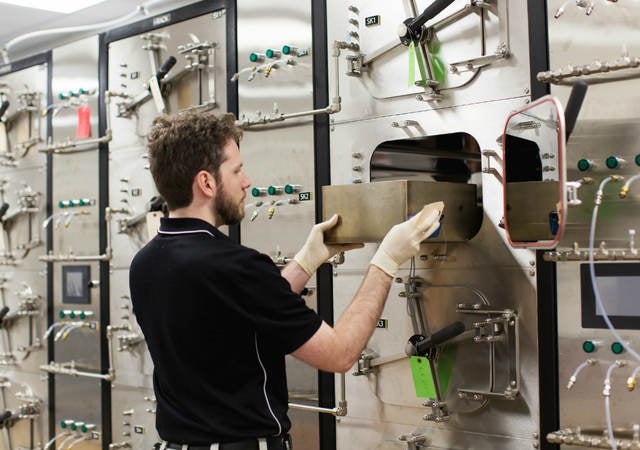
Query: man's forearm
x: 357, y: 323
x: 295, y: 275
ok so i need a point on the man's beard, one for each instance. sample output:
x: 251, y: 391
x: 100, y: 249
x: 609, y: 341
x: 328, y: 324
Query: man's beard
x: 227, y: 211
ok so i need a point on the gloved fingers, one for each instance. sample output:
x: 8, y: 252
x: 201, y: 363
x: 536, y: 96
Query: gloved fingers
x: 431, y: 221
x: 328, y: 224
x: 427, y: 215
x: 432, y: 229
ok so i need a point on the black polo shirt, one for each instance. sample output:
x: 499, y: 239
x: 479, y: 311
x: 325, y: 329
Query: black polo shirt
x: 218, y: 319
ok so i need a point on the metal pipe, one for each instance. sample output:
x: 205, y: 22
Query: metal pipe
x: 332, y: 108
x: 339, y: 410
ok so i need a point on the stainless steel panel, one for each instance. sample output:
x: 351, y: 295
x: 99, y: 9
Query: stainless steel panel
x: 130, y: 69
x: 383, y: 406
x: 607, y: 126
x: 130, y: 189
x: 368, y: 211
x: 22, y: 285
x: 384, y: 89
x: 279, y: 154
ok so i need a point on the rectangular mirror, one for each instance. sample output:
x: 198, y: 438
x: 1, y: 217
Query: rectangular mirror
x: 534, y: 167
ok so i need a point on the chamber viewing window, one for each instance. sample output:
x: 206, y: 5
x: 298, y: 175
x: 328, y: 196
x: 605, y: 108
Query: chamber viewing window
x: 451, y: 157
x: 449, y: 161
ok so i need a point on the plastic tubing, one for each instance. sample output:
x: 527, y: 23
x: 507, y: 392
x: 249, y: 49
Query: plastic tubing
x: 572, y: 380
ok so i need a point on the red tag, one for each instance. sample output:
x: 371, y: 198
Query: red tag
x: 84, y: 122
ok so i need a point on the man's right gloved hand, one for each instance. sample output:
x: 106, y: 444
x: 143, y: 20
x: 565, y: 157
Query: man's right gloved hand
x: 403, y: 240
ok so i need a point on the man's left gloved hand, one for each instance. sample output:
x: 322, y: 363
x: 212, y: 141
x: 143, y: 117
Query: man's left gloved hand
x: 314, y: 252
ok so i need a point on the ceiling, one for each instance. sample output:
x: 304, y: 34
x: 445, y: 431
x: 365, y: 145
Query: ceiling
x: 17, y: 21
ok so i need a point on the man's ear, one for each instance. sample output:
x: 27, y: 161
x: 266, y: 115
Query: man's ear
x: 205, y: 183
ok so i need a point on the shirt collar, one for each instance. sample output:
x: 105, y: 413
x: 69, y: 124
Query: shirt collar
x: 187, y: 224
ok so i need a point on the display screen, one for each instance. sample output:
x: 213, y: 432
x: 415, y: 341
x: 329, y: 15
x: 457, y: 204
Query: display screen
x: 619, y: 286
x: 619, y: 295
x: 75, y: 284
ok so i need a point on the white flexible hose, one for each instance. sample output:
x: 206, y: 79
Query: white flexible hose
x: 81, y: 28
x: 572, y: 380
x: 141, y: 9
x: 607, y: 412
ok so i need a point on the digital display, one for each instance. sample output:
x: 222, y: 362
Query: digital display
x: 618, y: 285
x: 619, y: 296
x: 75, y: 284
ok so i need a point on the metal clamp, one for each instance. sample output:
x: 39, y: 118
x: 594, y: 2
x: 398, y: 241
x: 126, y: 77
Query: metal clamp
x: 500, y: 327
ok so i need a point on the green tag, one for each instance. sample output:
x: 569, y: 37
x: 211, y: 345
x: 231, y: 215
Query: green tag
x: 421, y: 372
x: 412, y: 65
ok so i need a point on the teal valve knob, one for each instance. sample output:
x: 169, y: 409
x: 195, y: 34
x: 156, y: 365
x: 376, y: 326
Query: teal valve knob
x: 273, y: 53
x: 256, y: 57
x: 274, y: 190
x: 588, y: 346
x: 288, y: 49
x: 637, y: 160
x: 257, y: 192
x: 72, y: 315
x: 66, y: 423
x: 584, y: 165
x: 291, y: 188
x: 614, y: 162
x: 76, y: 425
x: 617, y: 348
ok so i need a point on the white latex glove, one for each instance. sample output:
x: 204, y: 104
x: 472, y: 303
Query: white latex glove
x: 403, y: 240
x: 314, y: 252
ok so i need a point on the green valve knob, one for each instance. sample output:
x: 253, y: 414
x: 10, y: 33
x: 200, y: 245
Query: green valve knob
x: 82, y: 91
x: 272, y: 53
x: 617, y: 348
x: 256, y: 57
x: 76, y: 425
x: 61, y: 96
x: 613, y: 162
x: 588, y: 346
x: 274, y: 190
x: 257, y: 192
x: 66, y: 423
x: 62, y: 314
x: 286, y: 49
x: 72, y: 315
x: 290, y: 188
x: 584, y: 165
x: 84, y: 428
x: 83, y: 315
x: 637, y: 160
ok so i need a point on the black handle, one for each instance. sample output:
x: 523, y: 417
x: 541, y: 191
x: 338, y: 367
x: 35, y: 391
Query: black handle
x: 4, y: 416
x: 578, y: 92
x: 440, y: 336
x: 155, y: 203
x: 413, y: 30
x: 3, y: 312
x: 3, y: 210
x: 3, y: 107
x: 165, y: 68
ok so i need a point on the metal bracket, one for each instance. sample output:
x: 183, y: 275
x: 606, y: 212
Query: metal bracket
x: 487, y: 167
x: 500, y: 327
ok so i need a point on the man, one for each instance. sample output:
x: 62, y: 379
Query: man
x: 218, y: 317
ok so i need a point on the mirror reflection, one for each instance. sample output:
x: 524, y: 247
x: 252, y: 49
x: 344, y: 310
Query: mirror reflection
x: 533, y: 145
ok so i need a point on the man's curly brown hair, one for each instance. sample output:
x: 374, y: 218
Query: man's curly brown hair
x: 182, y: 145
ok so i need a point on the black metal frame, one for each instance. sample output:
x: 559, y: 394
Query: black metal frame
x: 143, y: 26
x: 546, y: 279
x: 322, y: 165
